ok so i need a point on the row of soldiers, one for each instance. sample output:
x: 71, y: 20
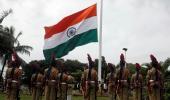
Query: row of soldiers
x: 54, y: 82
x: 120, y: 82
x: 57, y: 84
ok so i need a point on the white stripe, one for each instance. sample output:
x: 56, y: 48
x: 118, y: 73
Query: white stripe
x: 60, y: 38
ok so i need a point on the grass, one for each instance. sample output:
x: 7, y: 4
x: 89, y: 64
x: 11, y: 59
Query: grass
x: 27, y: 97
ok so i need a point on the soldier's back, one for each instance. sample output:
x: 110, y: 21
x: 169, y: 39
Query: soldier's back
x: 93, y: 74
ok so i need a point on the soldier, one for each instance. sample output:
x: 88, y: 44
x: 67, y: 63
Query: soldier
x: 70, y: 81
x: 136, y: 82
x: 51, y: 76
x: 13, y: 76
x: 154, y: 80
x: 37, y: 82
x: 82, y: 88
x: 111, y: 79
x: 7, y: 78
x: 122, y: 80
x: 91, y: 81
x: 63, y: 86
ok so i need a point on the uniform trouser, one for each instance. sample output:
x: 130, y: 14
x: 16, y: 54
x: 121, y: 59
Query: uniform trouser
x: 50, y: 93
x: 123, y: 94
x: 36, y: 95
x: 68, y: 97
x: 112, y: 96
x: 63, y: 92
x: 137, y: 94
x: 12, y: 94
x: 69, y: 92
x: 8, y: 92
x: 92, y: 93
x: 111, y: 91
x: 155, y: 94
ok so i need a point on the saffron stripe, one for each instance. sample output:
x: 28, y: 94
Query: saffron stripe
x: 57, y: 39
x: 70, y: 20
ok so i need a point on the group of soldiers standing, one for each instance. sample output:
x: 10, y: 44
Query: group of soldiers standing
x: 120, y: 82
x: 57, y: 84
x: 54, y: 82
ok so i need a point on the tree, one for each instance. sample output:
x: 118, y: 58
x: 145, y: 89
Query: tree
x: 3, y: 36
x: 73, y: 65
x: 9, y: 43
x: 5, y: 14
x: 165, y: 67
x: 131, y: 68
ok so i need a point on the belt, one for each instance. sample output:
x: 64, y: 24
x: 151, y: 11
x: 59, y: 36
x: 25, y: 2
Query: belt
x: 91, y: 82
x: 122, y: 80
x: 151, y: 81
x: 38, y: 83
x: 63, y: 83
x: 14, y: 81
x: 52, y: 80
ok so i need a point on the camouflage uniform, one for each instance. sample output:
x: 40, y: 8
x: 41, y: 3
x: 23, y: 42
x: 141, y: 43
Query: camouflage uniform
x: 51, y: 86
x: 111, y: 79
x: 154, y: 80
x: 136, y: 82
x: 37, y: 80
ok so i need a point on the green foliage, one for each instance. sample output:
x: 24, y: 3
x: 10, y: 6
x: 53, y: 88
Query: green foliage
x: 143, y: 71
x: 165, y: 70
x: 75, y: 68
x: 28, y: 71
x: 131, y: 68
x: 167, y: 89
x: 73, y: 65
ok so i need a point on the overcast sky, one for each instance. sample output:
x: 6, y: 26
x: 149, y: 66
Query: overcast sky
x: 142, y: 26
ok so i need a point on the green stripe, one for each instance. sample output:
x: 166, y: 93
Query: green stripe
x: 78, y: 40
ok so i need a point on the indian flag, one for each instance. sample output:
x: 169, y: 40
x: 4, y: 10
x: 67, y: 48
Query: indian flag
x: 75, y: 30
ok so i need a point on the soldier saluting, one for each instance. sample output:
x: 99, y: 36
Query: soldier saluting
x: 13, y: 75
x: 154, y: 80
x: 91, y: 81
x: 122, y: 80
x: 51, y: 76
x: 111, y: 80
x: 136, y: 82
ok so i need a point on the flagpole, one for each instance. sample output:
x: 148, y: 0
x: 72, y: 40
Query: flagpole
x: 100, y: 41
